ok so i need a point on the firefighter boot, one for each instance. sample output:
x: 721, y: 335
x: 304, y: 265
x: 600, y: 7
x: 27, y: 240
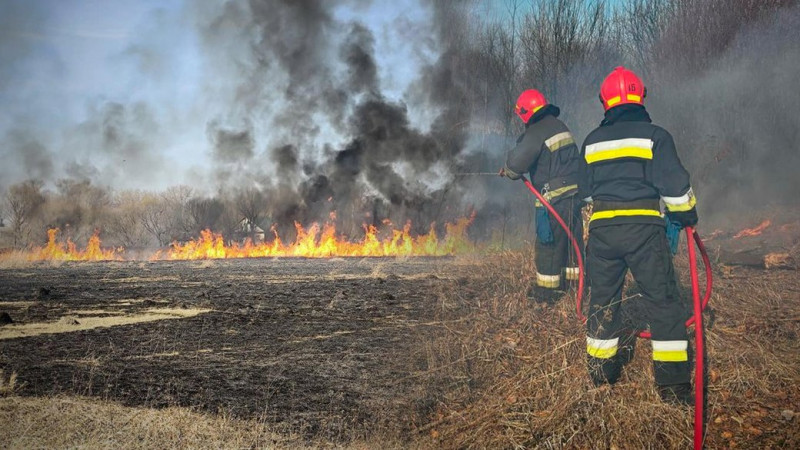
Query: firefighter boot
x: 677, y: 394
x: 541, y: 294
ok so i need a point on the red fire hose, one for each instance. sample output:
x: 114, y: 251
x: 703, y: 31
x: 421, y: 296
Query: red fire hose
x: 692, y: 238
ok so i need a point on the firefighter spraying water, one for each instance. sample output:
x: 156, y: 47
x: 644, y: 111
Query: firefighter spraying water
x: 548, y: 152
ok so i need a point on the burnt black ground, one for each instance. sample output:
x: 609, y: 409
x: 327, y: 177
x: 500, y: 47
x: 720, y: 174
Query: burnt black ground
x: 325, y: 347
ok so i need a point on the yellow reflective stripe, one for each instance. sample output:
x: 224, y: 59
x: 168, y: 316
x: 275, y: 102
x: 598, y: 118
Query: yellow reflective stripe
x: 683, y: 206
x: 670, y: 351
x: 533, y: 111
x: 548, y: 281
x: 624, y: 212
x: 624, y: 152
x: 613, y: 101
x: 671, y: 356
x: 685, y: 202
x: 549, y: 195
x: 602, y: 348
x: 559, y: 140
x: 634, y: 98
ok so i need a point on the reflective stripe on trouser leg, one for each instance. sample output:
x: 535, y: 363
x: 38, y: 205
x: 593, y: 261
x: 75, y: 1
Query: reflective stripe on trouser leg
x: 670, y: 351
x: 572, y: 273
x: 602, y: 348
x: 548, y: 281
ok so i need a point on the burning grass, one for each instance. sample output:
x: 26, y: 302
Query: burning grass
x: 513, y: 373
x: 314, y: 241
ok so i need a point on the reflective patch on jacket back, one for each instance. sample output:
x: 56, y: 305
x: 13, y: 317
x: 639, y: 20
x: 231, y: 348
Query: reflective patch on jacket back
x: 619, y: 148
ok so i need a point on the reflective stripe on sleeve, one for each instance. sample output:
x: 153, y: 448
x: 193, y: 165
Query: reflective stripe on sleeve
x: 670, y: 351
x: 559, y: 140
x: 619, y: 148
x: 548, y: 281
x: 624, y: 212
x: 549, y: 195
x: 685, y: 202
x: 602, y: 348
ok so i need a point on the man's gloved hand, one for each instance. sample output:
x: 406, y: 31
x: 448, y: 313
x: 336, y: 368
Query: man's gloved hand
x: 673, y: 234
x: 543, y: 231
x: 684, y: 218
x: 505, y: 171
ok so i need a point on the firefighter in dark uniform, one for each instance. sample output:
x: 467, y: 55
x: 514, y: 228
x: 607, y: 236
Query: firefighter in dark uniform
x: 548, y: 152
x: 629, y: 165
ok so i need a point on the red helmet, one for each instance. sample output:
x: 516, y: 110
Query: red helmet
x: 622, y: 86
x: 528, y: 103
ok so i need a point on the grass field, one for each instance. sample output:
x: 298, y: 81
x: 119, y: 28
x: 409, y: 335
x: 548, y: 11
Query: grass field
x: 360, y: 353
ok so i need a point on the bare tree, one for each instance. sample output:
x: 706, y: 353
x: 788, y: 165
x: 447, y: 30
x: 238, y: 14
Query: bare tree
x: 126, y: 222
x: 155, y: 219
x: 78, y: 208
x: 252, y: 205
x: 24, y: 200
x: 205, y: 213
x: 559, y: 37
x: 179, y: 221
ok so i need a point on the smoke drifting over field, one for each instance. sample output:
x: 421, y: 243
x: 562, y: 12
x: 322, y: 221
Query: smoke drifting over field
x: 738, y: 122
x: 292, y: 106
x: 332, y: 137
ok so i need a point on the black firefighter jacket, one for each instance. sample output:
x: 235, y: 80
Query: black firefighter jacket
x: 627, y: 166
x: 547, y: 150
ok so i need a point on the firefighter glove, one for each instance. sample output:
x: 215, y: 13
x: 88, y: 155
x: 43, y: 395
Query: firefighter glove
x: 543, y: 231
x: 684, y: 218
x: 510, y: 173
x: 673, y: 234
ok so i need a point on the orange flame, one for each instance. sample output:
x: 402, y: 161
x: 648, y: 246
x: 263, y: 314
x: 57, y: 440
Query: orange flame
x: 58, y: 251
x: 322, y: 242
x: 754, y: 231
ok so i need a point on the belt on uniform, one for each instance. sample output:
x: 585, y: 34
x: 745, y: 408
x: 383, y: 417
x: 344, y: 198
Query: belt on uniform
x: 608, y: 209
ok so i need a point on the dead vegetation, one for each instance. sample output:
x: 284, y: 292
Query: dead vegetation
x: 454, y: 356
x: 8, y: 385
x: 512, y: 374
x: 97, y: 319
x: 89, y: 423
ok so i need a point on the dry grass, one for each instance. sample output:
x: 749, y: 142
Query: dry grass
x: 21, y: 260
x: 68, y: 324
x: 78, y: 422
x: 8, y: 386
x: 513, y: 374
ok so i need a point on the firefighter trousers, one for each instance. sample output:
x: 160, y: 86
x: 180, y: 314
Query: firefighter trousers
x: 553, y: 257
x: 643, y: 249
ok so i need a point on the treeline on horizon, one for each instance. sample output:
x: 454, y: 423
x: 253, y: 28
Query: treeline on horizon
x: 698, y: 58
